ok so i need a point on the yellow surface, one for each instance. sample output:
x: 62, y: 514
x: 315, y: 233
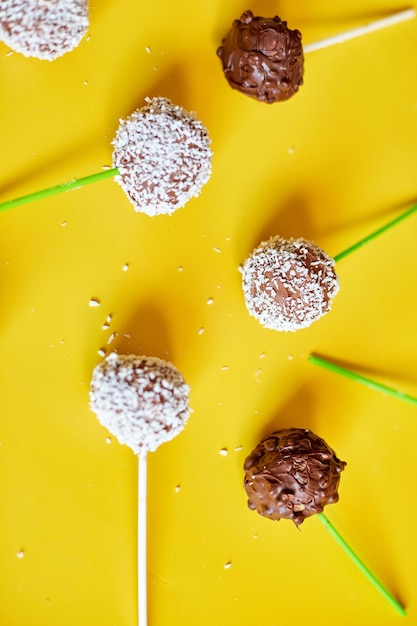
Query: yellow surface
x: 332, y: 164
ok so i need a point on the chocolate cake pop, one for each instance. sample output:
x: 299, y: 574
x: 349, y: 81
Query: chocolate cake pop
x: 45, y: 30
x: 292, y: 474
x: 288, y: 283
x: 142, y: 400
x: 163, y: 157
x: 263, y: 58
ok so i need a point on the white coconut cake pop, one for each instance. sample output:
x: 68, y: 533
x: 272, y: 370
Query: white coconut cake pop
x: 163, y: 156
x: 141, y: 400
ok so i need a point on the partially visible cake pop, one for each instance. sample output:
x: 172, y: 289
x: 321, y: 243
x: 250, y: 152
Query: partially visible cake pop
x: 288, y: 284
x: 45, y: 29
x: 163, y: 157
x: 292, y: 474
x: 142, y: 400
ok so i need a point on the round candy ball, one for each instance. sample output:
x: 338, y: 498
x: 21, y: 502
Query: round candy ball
x: 163, y: 156
x: 288, y: 284
x: 263, y: 58
x: 45, y: 29
x: 143, y: 401
x: 292, y: 474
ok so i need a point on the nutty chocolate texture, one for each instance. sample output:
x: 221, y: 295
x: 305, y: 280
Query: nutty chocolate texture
x: 263, y: 58
x: 292, y: 474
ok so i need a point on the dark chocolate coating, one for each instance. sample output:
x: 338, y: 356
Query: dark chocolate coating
x: 263, y: 58
x: 292, y: 474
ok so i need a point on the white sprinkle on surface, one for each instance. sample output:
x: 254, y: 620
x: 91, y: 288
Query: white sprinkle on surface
x: 102, y: 352
x: 228, y: 565
x: 94, y: 302
x: 125, y: 267
x: 143, y: 401
x: 201, y: 331
x: 223, y: 451
x: 20, y: 554
x: 163, y: 156
x: 288, y: 284
x: 43, y: 29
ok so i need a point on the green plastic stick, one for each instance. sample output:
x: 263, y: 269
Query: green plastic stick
x: 376, y: 233
x: 364, y: 569
x: 338, y: 369
x: 45, y: 193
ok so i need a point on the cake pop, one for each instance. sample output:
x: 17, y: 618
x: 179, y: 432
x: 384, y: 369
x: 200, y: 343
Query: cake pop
x: 143, y: 401
x: 162, y: 155
x: 43, y: 29
x: 292, y: 474
x: 161, y: 159
x: 263, y: 58
x: 288, y: 284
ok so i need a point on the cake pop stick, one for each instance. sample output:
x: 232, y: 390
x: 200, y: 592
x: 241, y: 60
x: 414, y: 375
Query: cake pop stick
x: 142, y: 541
x: 371, y: 27
x: 143, y: 401
x: 375, y: 233
x: 161, y: 159
x: 293, y: 474
x: 361, y: 565
x: 263, y: 58
x: 290, y: 283
x: 372, y: 384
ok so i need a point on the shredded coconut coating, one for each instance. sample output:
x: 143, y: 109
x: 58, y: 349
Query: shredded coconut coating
x: 288, y: 284
x: 143, y: 401
x: 45, y: 29
x: 163, y: 156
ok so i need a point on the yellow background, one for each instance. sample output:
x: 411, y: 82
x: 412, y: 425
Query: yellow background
x: 332, y: 164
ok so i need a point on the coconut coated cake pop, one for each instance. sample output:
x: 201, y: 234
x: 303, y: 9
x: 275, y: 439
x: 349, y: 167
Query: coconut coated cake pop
x: 45, y: 29
x: 143, y: 401
x: 163, y: 156
x: 288, y: 283
x: 292, y: 474
x: 263, y: 58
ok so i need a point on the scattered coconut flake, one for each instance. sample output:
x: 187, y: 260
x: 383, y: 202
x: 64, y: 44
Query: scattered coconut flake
x: 210, y: 301
x: 102, y: 351
x: 201, y: 331
x: 223, y: 451
x: 94, y: 302
x: 125, y: 267
x: 228, y: 565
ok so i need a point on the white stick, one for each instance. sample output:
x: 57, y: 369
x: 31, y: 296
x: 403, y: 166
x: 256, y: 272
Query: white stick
x: 408, y: 14
x: 142, y: 541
